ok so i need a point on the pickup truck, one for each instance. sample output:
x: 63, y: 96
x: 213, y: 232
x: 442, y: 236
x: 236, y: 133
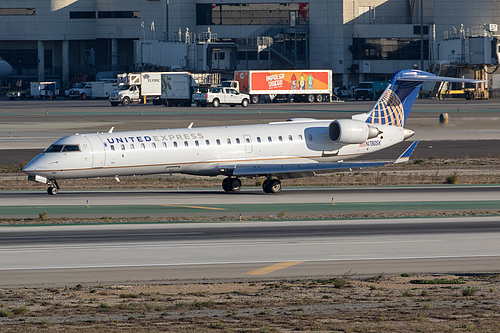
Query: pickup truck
x: 81, y: 90
x: 221, y: 95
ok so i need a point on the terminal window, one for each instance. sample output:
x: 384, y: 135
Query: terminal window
x: 387, y: 48
x: 17, y: 11
x: 251, y: 13
x: 82, y: 15
x: 119, y: 14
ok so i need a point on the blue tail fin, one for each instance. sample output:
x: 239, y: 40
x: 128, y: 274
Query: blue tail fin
x: 394, y: 106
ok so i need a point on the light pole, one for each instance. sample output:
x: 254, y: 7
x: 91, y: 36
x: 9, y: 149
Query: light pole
x: 422, y: 35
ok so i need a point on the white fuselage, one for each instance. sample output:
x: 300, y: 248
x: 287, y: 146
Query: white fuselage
x: 201, y: 151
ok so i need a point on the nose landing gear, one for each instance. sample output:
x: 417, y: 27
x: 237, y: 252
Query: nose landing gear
x: 53, y: 187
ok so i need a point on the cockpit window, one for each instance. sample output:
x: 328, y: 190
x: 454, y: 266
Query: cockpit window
x: 71, y: 148
x: 60, y: 148
x: 54, y: 149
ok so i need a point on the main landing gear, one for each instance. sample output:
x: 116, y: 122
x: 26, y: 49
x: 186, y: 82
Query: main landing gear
x: 270, y: 185
x: 231, y: 184
x: 53, y: 187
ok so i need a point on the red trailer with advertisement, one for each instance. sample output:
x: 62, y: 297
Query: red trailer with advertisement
x: 290, y: 85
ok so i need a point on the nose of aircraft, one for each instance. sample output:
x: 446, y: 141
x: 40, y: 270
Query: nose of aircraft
x: 33, y: 166
x: 5, y: 68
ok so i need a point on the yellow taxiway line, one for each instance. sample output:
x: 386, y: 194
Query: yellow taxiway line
x: 273, y: 268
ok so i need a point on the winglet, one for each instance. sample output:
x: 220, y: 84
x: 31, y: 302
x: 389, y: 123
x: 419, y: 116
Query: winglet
x: 405, y: 156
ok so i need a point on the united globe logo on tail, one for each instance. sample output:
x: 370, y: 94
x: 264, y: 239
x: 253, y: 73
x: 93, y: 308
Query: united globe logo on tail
x: 388, y: 110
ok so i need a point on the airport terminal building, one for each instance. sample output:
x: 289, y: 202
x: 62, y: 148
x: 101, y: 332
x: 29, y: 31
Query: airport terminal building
x: 357, y: 39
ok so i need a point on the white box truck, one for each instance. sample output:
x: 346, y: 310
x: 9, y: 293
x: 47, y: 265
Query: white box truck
x: 177, y: 88
x: 102, y: 89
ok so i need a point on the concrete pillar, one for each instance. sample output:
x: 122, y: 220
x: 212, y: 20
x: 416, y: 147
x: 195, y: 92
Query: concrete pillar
x: 345, y: 79
x: 114, y: 53
x: 65, y: 64
x: 41, y: 61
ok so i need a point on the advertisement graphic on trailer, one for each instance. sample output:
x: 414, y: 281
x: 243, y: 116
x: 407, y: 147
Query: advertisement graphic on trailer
x: 275, y: 80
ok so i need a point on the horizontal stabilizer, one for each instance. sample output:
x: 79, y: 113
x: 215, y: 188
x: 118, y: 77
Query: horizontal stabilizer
x: 433, y: 78
x: 405, y: 156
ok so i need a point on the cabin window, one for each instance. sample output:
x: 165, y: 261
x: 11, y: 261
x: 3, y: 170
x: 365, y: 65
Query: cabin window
x: 247, y: 140
x: 197, y: 143
x: 280, y: 138
x: 112, y: 148
x: 54, y: 149
x: 207, y: 142
x: 154, y: 145
x: 186, y: 144
x: 269, y: 139
x: 228, y: 141
x: 258, y: 139
x: 122, y: 147
x: 71, y: 148
x: 143, y: 146
x: 300, y: 137
x: 238, y: 140
x: 132, y: 146
x: 164, y: 145
x: 218, y: 142
x: 175, y: 144
x: 290, y: 138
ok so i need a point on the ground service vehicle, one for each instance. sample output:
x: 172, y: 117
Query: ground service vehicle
x: 81, y: 90
x: 221, y: 95
x: 169, y: 88
x: 177, y: 88
x: 288, y: 85
x: 43, y: 90
x: 137, y: 88
x: 370, y: 90
x: 102, y: 89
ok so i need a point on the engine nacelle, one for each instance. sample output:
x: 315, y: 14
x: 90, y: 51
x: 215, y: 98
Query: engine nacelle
x: 351, y: 131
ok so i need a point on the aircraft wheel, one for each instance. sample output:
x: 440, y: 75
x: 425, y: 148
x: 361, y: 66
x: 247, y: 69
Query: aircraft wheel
x: 52, y: 190
x: 231, y: 184
x: 271, y: 186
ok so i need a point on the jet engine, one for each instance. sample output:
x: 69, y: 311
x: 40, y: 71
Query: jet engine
x: 351, y: 131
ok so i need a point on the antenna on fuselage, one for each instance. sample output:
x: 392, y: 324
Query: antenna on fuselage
x: 111, y: 129
x: 190, y: 125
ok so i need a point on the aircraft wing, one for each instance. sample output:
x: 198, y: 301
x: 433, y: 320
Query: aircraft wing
x: 294, y: 170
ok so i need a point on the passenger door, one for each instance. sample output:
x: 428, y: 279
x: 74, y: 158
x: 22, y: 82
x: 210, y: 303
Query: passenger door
x: 98, y: 153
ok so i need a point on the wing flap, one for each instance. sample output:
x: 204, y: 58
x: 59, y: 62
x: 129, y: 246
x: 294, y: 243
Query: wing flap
x: 246, y: 170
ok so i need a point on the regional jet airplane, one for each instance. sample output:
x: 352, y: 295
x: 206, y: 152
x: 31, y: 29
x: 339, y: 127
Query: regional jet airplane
x: 5, y: 68
x: 299, y: 147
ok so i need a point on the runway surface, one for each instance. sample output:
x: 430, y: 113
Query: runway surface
x: 250, y: 201
x: 246, y: 251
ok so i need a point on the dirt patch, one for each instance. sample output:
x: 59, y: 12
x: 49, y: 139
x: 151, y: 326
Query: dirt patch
x: 346, y: 304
